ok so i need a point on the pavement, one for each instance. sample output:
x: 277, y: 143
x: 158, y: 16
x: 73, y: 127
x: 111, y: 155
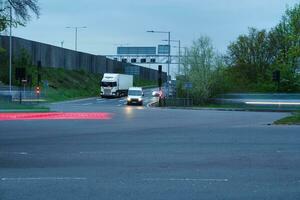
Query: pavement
x: 149, y: 153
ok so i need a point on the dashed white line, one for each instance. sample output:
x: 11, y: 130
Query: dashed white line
x: 15, y: 153
x: 44, y: 179
x: 186, y: 179
x: 105, y: 152
x: 281, y: 151
x: 87, y: 104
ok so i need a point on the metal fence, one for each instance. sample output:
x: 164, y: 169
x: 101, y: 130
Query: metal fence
x: 19, y: 94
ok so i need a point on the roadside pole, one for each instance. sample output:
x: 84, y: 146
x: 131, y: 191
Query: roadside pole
x: 160, y: 84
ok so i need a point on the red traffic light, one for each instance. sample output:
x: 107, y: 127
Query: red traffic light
x: 37, y: 90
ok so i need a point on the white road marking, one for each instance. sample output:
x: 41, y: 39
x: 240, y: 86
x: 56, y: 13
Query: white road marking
x: 149, y: 104
x: 105, y: 152
x: 272, y: 103
x: 16, y: 153
x: 280, y: 151
x: 186, y: 179
x: 87, y: 104
x: 44, y: 179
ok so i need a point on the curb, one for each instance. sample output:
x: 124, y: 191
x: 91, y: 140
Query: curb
x: 150, y: 105
x: 73, y: 101
x: 25, y: 110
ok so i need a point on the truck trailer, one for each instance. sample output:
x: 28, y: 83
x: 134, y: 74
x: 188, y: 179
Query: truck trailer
x: 115, y: 85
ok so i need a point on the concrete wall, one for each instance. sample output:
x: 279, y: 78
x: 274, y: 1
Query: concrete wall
x: 56, y: 57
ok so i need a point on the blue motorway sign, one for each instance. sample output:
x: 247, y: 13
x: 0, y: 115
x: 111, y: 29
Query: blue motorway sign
x: 188, y: 85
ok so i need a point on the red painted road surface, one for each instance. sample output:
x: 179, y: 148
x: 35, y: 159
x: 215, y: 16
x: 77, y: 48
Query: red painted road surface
x: 55, y: 116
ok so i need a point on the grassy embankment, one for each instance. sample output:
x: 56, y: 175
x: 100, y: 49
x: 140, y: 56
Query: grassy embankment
x: 67, y: 84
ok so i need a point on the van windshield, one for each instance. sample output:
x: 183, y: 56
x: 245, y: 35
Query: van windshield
x: 108, y: 84
x: 135, y: 92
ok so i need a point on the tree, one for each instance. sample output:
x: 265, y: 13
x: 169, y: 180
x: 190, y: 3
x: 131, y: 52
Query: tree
x: 200, y: 66
x: 252, y: 54
x: 286, y: 37
x: 253, y: 57
x: 21, y: 11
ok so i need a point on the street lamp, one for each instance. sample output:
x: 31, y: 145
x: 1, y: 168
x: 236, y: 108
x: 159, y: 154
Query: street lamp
x: 10, y: 47
x: 169, y: 53
x: 76, y: 30
x: 179, y: 52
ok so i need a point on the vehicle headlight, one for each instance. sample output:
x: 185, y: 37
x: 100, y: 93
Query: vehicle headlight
x: 128, y: 99
x: 140, y: 99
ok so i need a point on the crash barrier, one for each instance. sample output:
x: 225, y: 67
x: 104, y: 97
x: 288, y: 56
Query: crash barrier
x: 177, y: 102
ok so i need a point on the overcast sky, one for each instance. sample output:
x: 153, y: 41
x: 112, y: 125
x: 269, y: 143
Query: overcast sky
x: 115, y: 22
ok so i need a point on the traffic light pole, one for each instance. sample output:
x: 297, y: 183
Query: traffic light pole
x: 159, y: 84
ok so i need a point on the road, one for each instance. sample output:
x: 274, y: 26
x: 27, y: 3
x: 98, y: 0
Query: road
x: 149, y: 153
x: 94, y: 103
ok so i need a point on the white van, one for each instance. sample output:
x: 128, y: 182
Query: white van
x: 135, y: 96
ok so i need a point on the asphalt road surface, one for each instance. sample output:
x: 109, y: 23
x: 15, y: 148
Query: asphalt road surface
x: 149, y: 153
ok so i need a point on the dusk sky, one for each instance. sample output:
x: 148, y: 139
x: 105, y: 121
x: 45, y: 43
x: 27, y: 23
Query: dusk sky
x: 115, y: 22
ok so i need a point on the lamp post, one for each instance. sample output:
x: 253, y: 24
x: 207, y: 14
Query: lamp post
x: 179, y: 53
x: 169, y: 54
x: 10, y: 47
x: 76, y: 32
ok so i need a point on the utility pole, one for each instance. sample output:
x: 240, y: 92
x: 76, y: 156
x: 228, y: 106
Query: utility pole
x: 169, y: 60
x: 169, y: 56
x: 179, y: 58
x: 179, y: 53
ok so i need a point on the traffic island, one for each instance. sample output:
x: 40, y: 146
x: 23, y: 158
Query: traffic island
x: 290, y: 120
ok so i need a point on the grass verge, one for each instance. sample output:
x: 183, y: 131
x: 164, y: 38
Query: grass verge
x: 241, y: 107
x: 15, y: 107
x: 290, y: 120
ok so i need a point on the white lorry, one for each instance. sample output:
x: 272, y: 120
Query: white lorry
x: 115, y: 85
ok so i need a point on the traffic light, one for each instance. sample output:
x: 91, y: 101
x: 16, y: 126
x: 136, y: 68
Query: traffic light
x: 276, y: 76
x: 159, y: 76
x: 39, y: 66
x: 38, y: 90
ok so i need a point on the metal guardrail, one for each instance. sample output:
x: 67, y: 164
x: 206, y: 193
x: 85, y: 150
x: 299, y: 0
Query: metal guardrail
x: 178, y: 102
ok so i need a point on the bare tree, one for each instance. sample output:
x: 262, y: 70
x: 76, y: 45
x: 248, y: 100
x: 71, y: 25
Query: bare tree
x: 22, y: 12
x: 22, y: 9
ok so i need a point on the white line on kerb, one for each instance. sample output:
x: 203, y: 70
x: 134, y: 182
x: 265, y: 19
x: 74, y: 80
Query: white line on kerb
x: 187, y: 179
x: 45, y: 179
